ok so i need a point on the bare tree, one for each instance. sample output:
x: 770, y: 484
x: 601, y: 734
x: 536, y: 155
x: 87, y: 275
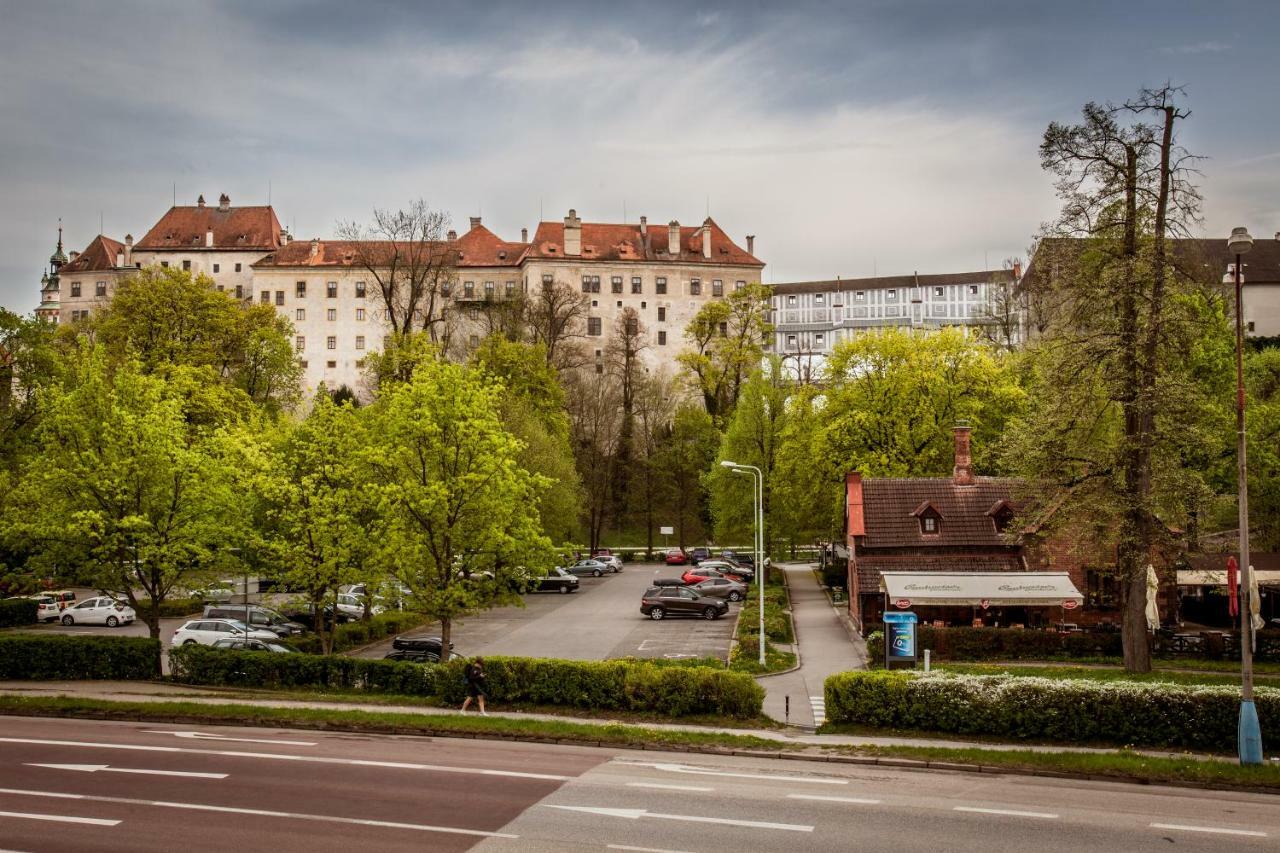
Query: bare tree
x: 556, y: 317
x: 622, y: 359
x: 655, y: 405
x: 596, y: 421
x: 1002, y: 316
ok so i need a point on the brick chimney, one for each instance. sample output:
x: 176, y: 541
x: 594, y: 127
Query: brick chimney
x: 200, y: 201
x: 224, y: 202
x: 1017, y: 269
x: 128, y: 250
x: 856, y: 524
x: 673, y: 239
x: 475, y: 222
x: 706, y: 238
x: 524, y: 235
x: 751, y: 244
x: 572, y: 234
x: 963, y: 471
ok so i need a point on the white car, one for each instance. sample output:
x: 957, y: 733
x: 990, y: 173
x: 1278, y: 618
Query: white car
x: 611, y: 560
x: 99, y: 611
x: 206, y: 632
x: 47, y: 608
x: 353, y: 606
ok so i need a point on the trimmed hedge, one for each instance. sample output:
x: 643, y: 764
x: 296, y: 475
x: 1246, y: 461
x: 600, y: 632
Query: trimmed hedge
x: 352, y: 634
x: 60, y: 657
x: 1064, y: 710
x: 593, y: 685
x: 18, y: 611
x: 1001, y: 644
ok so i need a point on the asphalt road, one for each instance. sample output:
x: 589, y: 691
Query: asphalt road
x: 130, y: 786
x: 602, y: 620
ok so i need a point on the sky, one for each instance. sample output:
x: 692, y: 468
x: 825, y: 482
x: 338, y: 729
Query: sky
x: 852, y: 139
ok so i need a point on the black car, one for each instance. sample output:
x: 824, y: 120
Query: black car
x: 304, y: 614
x: 669, y: 582
x: 739, y: 558
x: 259, y: 617
x: 661, y: 602
x: 697, y: 555
x: 417, y: 649
x: 557, y: 581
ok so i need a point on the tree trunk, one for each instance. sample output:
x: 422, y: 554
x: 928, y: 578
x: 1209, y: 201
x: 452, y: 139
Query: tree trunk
x: 446, y: 635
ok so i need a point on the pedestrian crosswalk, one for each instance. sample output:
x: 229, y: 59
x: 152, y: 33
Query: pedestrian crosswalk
x: 819, y: 706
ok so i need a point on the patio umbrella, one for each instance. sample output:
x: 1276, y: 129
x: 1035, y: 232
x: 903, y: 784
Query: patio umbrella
x: 1255, y: 602
x: 1153, y: 588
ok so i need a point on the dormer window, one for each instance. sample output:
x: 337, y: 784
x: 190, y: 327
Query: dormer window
x: 1001, y: 514
x: 928, y: 524
x: 930, y: 519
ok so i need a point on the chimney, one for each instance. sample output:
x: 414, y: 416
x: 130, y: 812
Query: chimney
x: 1017, y: 268
x: 706, y: 238
x: 572, y: 234
x: 208, y: 238
x: 119, y: 258
x: 673, y: 238
x: 74, y: 254
x: 200, y: 201
x: 315, y: 246
x: 128, y: 250
x: 524, y: 235
x: 751, y: 244
x: 644, y: 235
x: 855, y: 524
x: 452, y: 235
x: 475, y: 222
x: 963, y: 471
x: 224, y: 202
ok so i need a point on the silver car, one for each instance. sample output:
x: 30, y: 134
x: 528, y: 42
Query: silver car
x: 720, y: 588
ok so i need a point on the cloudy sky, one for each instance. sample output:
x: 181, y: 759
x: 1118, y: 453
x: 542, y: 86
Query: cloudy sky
x: 851, y: 138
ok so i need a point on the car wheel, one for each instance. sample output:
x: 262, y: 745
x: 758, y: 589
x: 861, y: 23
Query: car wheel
x: 564, y: 589
x: 112, y: 621
x: 656, y: 614
x: 67, y: 620
x: 190, y: 643
x: 735, y: 596
x: 710, y: 613
x: 595, y: 573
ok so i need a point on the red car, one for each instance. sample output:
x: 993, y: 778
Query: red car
x: 676, y: 557
x: 701, y: 573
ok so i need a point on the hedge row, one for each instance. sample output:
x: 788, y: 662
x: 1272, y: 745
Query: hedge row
x: 1001, y: 644
x: 593, y: 685
x: 353, y: 634
x: 17, y: 611
x: 1064, y: 710
x: 55, y: 657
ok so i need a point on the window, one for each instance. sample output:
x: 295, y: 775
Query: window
x: 724, y: 329
x: 331, y: 314
x: 239, y: 291
x: 973, y: 290
x: 547, y: 280
x: 217, y: 267
x: 359, y: 342
x: 662, y: 314
x: 331, y: 290
x: 860, y: 296
x: 695, y: 287
x: 615, y: 284
x: 360, y: 289
x: 791, y: 300
x: 929, y: 524
x: 446, y: 288
x: 819, y: 340
x: 300, y: 290
x: 237, y: 268
x: 164, y: 264
x: 488, y: 290
x: 819, y: 298
x: 75, y: 288
x: 302, y: 362
x: 186, y: 265
x: 593, y: 325
x: 891, y: 295
x: 359, y: 313
x: 738, y: 285
x: 660, y: 285
x: 637, y: 284
x: 791, y: 341
x: 331, y: 364
x: 468, y: 289
x: 717, y: 287
x: 599, y: 367
x: 279, y: 297
x: 939, y: 292
x: 331, y: 342
x: 299, y: 343
x: 644, y: 305
x: 300, y: 314
x: 662, y: 338
x: 1249, y: 326
x: 510, y: 288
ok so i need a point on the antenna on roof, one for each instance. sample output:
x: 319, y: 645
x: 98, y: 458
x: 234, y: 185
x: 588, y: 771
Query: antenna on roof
x: 99, y: 221
x: 175, y: 193
x: 985, y: 263
x: 268, y: 192
x: 539, y: 210
x: 708, y: 204
x: 624, y: 211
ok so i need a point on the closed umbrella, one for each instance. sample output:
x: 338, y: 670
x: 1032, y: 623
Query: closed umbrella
x: 1153, y: 588
x: 1255, y: 602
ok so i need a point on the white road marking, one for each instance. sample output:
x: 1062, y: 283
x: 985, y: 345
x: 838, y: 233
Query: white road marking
x: 625, y: 847
x: 821, y: 798
x: 453, y: 830
x: 92, y: 821
x: 663, y: 787
x: 680, y: 768
x: 1010, y: 812
x: 94, y: 768
x: 203, y: 736
x: 818, y: 705
x: 636, y: 814
x: 1213, y: 829
x: 273, y: 756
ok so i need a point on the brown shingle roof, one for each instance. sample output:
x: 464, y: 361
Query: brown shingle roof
x: 184, y: 228
x: 889, y: 504
x: 479, y: 247
x: 613, y: 242
x: 895, y: 281
x: 99, y: 255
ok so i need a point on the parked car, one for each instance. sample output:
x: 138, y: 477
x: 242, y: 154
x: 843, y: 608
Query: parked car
x: 64, y: 597
x: 206, y: 632
x: 697, y: 555
x: 698, y: 574
x: 353, y: 606
x: 661, y: 602
x: 418, y: 649
x: 676, y: 557
x: 304, y: 613
x: 720, y: 588
x: 217, y: 592
x: 669, y: 582
x: 237, y: 644
x: 557, y: 581
x: 740, y: 558
x: 99, y: 611
x: 724, y: 567
x: 48, y: 608
x: 611, y: 560
x: 260, y: 617
x: 594, y: 568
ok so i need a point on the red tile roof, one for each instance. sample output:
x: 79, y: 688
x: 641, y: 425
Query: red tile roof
x: 479, y: 247
x: 611, y: 242
x: 184, y: 228
x: 889, y: 507
x: 97, y: 256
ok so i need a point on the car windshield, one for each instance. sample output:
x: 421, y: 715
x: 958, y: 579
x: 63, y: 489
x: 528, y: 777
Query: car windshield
x: 276, y: 647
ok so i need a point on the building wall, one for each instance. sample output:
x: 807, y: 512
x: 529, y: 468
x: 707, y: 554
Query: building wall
x: 1262, y: 309
x: 218, y: 264
x: 75, y: 306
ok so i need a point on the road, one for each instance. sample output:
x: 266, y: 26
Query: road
x: 602, y: 620
x: 133, y: 786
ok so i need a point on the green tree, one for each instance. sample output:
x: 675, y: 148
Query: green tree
x: 687, y: 451
x: 726, y: 339
x: 452, y: 500
x: 807, y: 495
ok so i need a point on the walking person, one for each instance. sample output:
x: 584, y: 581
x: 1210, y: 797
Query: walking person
x: 476, y: 686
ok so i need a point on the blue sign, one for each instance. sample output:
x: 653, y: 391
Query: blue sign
x: 899, y: 637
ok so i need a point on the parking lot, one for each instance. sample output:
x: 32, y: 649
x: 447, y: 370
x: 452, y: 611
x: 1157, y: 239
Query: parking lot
x: 600, y: 621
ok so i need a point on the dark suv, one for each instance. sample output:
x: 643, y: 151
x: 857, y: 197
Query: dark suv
x: 697, y: 555
x: 417, y: 649
x: 660, y: 602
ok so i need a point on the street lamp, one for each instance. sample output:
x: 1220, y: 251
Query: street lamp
x: 1249, y: 733
x: 758, y: 477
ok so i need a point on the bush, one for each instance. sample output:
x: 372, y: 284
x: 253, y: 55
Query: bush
x: 353, y: 634
x: 176, y: 608
x: 590, y: 685
x: 55, y: 657
x: 1002, y: 644
x: 17, y: 611
x: 1065, y: 710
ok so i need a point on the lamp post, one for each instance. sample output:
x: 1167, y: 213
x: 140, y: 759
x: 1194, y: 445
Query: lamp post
x: 1249, y: 733
x: 757, y: 477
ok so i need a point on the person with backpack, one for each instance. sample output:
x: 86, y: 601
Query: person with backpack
x: 473, y: 677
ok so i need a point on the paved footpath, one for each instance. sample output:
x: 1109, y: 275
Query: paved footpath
x: 826, y: 647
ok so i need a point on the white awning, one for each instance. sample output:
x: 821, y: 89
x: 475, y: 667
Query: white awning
x: 1218, y: 577
x: 1042, y: 589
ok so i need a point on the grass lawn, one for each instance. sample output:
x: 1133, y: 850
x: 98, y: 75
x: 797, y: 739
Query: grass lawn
x: 777, y: 627
x: 1101, y: 673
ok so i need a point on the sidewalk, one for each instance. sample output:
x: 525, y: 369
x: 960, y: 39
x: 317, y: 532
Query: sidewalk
x: 825, y: 648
